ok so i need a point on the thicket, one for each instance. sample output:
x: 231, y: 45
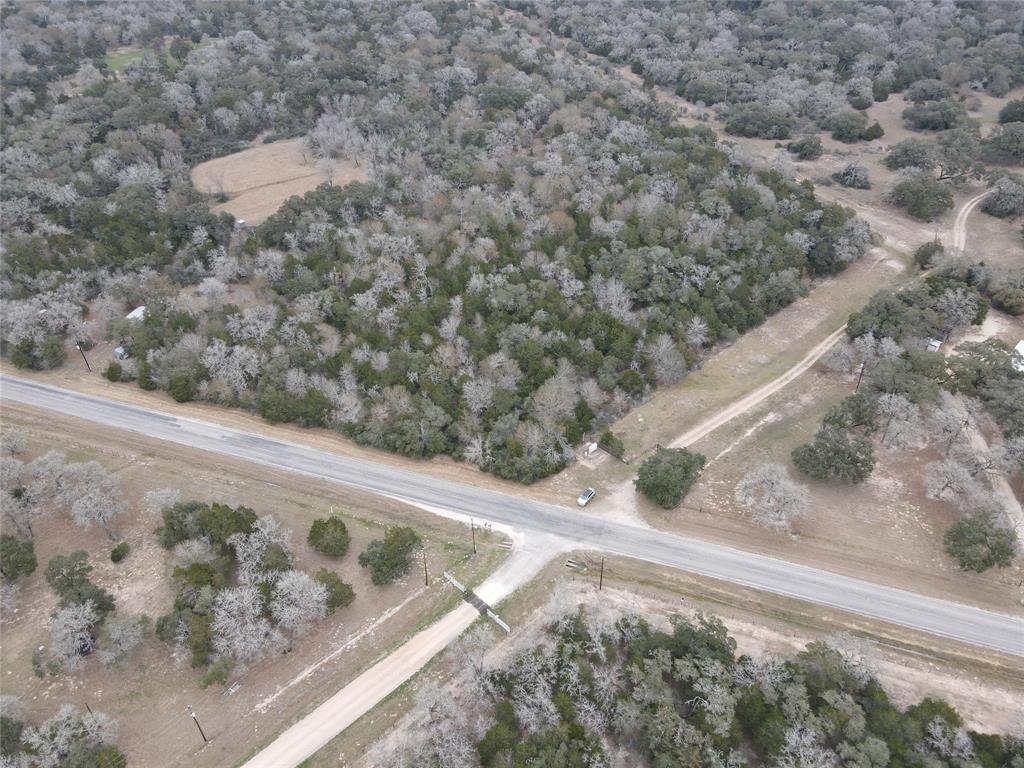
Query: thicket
x: 590, y: 688
x: 814, y: 65
x: 238, y: 595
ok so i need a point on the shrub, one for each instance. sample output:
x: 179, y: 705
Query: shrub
x: 925, y: 254
x: 183, y: 387
x: 1005, y: 144
x: 388, y: 558
x: 933, y: 115
x: 667, y: 476
x: 758, y: 121
x: 927, y: 90
x: 114, y: 372
x: 808, y: 148
x: 835, y: 455
x: 853, y: 176
x: 849, y: 126
x: 68, y: 576
x: 977, y: 543
x: 339, y: 594
x: 120, y: 552
x: 1012, y: 112
x: 219, y: 672
x: 1005, y: 199
x: 873, y: 131
x: 922, y: 196
x: 329, y: 536
x: 17, y: 557
x: 612, y: 443
x: 1010, y: 299
x: 911, y: 153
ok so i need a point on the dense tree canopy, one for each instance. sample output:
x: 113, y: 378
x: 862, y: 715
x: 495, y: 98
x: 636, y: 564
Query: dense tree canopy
x: 536, y: 248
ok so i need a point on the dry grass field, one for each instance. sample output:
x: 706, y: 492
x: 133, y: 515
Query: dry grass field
x: 259, y: 179
x: 148, y: 692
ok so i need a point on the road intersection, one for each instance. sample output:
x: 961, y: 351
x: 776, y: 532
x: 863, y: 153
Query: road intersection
x: 577, y: 529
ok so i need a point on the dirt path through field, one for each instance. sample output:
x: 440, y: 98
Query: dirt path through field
x: 959, y: 233
x: 319, y: 727
x: 758, y: 395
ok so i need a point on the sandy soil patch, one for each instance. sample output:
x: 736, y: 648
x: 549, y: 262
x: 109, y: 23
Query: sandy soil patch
x: 259, y: 179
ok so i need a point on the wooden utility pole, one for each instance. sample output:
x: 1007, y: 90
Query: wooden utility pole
x: 426, y: 579
x: 472, y: 530
x: 600, y: 581
x: 859, y: 377
x: 195, y: 719
x: 79, y: 348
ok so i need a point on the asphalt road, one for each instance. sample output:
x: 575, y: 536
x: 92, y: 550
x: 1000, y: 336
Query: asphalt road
x: 953, y: 620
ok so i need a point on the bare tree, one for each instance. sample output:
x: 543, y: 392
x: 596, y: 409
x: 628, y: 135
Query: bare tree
x: 239, y: 629
x: 697, y: 332
x: 72, y: 633
x: 949, y: 424
x: 902, y: 417
x: 298, y: 601
x: 123, y: 635
x: 157, y: 501
x: 12, y: 442
x: 92, y: 495
x: 947, y: 479
x: 251, y: 550
x: 773, y: 498
x: 669, y: 365
x: 51, y: 743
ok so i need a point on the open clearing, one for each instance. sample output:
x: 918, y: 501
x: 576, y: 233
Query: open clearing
x: 985, y: 687
x: 259, y: 179
x: 149, y: 692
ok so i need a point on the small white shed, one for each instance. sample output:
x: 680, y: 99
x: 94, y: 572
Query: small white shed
x: 1018, y: 362
x: 139, y: 313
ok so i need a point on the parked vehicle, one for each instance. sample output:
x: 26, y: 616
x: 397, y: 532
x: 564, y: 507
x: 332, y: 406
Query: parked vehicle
x: 586, y: 496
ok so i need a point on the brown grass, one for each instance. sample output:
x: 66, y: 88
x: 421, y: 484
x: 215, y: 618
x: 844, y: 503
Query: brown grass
x: 148, y: 693
x: 259, y: 179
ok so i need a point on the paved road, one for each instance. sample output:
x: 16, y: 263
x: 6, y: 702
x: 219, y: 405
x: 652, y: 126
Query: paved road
x: 953, y: 620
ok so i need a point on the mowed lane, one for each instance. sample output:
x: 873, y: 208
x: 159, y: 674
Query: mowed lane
x: 953, y: 620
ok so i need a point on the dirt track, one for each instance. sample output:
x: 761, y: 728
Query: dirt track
x: 758, y: 395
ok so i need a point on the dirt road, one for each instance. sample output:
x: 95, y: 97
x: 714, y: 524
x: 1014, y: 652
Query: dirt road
x: 315, y: 730
x: 959, y: 234
x: 758, y: 395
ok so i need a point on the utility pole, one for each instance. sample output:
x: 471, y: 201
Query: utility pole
x: 600, y: 581
x: 89, y: 709
x: 859, y: 377
x: 426, y: 580
x: 195, y: 719
x: 78, y: 346
x: 472, y: 529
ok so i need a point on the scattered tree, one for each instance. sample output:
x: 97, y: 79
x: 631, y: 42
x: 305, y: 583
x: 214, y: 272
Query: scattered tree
x: 835, y: 454
x: 667, y: 476
x: 339, y: 594
x: 17, y: 557
x: 774, y: 500
x: 329, y: 536
x: 389, y: 558
x: 977, y: 543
